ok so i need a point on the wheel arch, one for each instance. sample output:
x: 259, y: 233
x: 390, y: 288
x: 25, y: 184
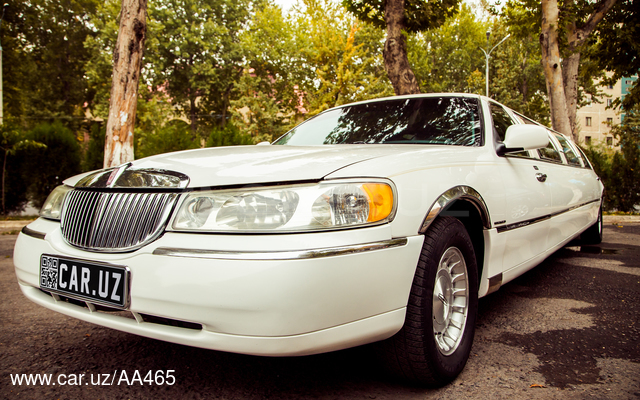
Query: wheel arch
x: 468, y: 206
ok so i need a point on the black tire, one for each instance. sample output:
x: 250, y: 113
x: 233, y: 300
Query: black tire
x: 417, y: 353
x: 593, y: 234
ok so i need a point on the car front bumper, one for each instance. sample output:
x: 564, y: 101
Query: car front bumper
x: 288, y: 295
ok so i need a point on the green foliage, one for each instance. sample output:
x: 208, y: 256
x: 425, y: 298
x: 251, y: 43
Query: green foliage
x: 14, y: 186
x: 196, y: 55
x: 94, y: 153
x: 616, y: 47
x: 100, y: 45
x: 228, y: 136
x: 625, y: 168
x: 450, y: 59
x: 516, y: 76
x: 522, y: 17
x: 48, y: 167
x: 420, y: 15
x: 258, y: 112
x: 445, y: 58
x: 345, y: 55
x: 317, y: 58
x: 268, y: 94
x: 620, y: 170
x: 44, y: 59
x: 174, y: 136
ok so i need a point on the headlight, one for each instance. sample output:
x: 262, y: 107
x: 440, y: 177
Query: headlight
x: 52, y: 207
x: 295, y: 208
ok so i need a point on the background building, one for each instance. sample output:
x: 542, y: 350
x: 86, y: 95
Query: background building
x: 596, y: 119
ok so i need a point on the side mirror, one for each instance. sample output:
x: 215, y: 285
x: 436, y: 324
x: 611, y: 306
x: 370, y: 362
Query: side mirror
x: 523, y: 137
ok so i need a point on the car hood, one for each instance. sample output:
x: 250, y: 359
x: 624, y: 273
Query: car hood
x: 244, y: 165
x: 240, y: 165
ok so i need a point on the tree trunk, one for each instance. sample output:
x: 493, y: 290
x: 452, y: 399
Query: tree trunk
x: 193, y: 116
x: 570, y: 67
x: 396, y: 62
x: 4, y: 169
x: 524, y: 88
x: 562, y: 76
x: 571, y: 63
x: 552, y: 67
x: 127, y: 60
x: 225, y: 106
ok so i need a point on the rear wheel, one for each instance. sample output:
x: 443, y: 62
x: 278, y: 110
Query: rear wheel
x: 433, y: 346
x: 593, y: 234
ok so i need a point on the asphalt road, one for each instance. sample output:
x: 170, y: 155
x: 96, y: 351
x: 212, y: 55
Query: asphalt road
x: 568, y: 329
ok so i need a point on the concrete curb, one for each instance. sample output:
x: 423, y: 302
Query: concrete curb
x: 13, y: 225
x: 621, y: 219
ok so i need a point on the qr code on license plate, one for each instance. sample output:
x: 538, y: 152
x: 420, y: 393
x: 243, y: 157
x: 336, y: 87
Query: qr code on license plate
x: 49, y: 272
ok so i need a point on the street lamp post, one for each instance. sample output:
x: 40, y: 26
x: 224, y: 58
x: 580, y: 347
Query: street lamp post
x: 487, y: 55
x: 1, y: 101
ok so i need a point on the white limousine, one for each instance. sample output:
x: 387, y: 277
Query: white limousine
x: 379, y: 221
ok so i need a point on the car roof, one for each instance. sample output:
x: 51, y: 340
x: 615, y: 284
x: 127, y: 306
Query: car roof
x: 410, y: 96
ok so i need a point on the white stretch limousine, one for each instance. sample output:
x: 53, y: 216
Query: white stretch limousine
x: 382, y: 220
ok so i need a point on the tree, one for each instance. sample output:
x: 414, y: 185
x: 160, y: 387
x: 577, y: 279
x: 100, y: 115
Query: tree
x: 197, y: 58
x: 12, y: 141
x: 445, y: 58
x: 269, y: 94
x: 127, y: 60
x: 44, y: 60
x: 228, y: 136
x: 173, y: 136
x: 398, y: 17
x: 626, y: 165
x: 99, y: 66
x: 47, y: 166
x: 318, y: 57
x: 517, y: 79
x: 617, y: 48
x: 94, y: 151
x: 564, y: 31
x: 343, y: 54
x: 449, y: 59
x: 619, y: 170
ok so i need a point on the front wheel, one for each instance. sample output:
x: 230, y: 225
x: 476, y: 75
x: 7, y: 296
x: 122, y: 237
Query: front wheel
x: 433, y: 346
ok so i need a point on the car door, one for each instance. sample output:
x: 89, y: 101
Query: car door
x: 528, y: 199
x: 573, y: 191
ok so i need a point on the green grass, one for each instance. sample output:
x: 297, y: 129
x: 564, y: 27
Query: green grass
x: 18, y: 217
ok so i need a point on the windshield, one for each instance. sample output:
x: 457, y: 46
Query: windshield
x: 429, y: 120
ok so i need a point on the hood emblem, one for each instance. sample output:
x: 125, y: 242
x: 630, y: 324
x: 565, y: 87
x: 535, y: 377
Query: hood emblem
x: 115, y: 174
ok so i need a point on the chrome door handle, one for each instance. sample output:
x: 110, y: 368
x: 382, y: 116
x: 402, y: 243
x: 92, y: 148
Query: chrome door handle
x: 541, y: 177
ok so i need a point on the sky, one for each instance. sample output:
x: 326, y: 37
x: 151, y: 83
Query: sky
x: 285, y: 4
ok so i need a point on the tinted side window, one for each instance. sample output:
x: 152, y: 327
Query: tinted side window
x: 501, y: 120
x: 585, y: 160
x: 526, y: 120
x: 550, y: 153
x: 571, y: 156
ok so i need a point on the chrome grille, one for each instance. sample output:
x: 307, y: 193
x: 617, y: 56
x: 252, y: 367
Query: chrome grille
x: 114, y: 221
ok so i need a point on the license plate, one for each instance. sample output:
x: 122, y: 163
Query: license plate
x: 97, y: 283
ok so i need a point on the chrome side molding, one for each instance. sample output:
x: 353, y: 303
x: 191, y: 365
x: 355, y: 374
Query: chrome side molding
x: 279, y: 255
